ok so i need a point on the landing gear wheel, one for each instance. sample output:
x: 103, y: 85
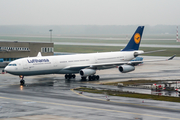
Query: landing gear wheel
x: 93, y: 77
x: 97, y: 77
x: 73, y: 76
x: 69, y: 76
x: 66, y: 76
x: 83, y: 78
x: 90, y: 78
x: 22, y: 82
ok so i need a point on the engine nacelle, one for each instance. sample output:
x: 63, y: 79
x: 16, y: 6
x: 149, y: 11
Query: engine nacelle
x: 87, y: 72
x: 126, y: 68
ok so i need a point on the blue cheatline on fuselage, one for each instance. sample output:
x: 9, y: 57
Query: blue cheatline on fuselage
x: 135, y: 40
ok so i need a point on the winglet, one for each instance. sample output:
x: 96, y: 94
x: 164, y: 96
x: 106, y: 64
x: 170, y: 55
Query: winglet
x: 172, y: 57
x: 39, y: 54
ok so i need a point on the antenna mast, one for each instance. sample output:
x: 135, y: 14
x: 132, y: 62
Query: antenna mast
x: 177, y: 40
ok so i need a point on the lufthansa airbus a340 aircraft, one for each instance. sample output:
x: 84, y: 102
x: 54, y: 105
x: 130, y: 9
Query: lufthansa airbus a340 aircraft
x: 84, y: 64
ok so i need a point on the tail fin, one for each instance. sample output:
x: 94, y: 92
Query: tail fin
x: 135, y: 40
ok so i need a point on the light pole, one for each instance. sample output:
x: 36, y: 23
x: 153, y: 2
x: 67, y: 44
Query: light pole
x: 50, y: 35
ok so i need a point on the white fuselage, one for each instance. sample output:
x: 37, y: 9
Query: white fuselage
x: 59, y: 64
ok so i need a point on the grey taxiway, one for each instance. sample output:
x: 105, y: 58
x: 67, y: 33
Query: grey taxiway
x: 52, y: 97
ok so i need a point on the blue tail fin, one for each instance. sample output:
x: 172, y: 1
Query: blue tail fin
x: 135, y: 40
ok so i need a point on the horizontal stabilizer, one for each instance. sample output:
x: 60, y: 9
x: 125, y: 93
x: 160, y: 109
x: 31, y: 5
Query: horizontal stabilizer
x: 136, y: 54
x: 154, y: 51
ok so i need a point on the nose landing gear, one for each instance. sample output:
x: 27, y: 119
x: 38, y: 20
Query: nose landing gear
x: 22, y: 81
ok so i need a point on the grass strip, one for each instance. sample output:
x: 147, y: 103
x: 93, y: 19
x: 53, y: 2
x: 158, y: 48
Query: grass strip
x: 133, y: 82
x: 93, y: 49
x: 152, y: 39
x: 129, y: 94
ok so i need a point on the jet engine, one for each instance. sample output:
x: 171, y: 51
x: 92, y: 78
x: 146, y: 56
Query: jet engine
x: 126, y: 68
x: 87, y: 72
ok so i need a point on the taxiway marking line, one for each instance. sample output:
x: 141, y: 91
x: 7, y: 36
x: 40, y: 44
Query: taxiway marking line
x: 92, y: 108
x: 123, y: 102
x: 131, y: 104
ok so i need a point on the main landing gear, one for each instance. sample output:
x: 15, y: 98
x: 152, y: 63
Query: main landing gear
x: 91, y: 77
x: 69, y: 76
x: 22, y: 81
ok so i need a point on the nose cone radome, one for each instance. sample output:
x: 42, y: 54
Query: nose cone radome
x: 7, y: 69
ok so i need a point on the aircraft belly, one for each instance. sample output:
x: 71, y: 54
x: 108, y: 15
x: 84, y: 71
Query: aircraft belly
x: 68, y: 72
x: 106, y: 67
x: 35, y: 72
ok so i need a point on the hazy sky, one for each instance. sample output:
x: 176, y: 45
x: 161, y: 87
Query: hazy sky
x: 89, y: 12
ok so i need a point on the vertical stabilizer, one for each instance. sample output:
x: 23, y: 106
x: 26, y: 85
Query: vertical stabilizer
x: 135, y: 40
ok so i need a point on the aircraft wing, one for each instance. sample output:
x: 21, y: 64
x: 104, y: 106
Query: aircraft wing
x: 160, y: 59
x: 94, y: 66
x: 110, y: 65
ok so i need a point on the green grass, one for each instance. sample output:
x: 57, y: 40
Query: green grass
x: 129, y: 94
x: 132, y: 82
x: 89, y: 39
x: 92, y: 49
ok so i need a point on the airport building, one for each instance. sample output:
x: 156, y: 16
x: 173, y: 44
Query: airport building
x: 10, y: 51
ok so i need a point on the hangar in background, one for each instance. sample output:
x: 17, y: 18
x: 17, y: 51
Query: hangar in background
x: 10, y: 51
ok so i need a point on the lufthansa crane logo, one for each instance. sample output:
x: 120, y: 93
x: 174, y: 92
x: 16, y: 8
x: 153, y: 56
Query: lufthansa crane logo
x: 137, y: 38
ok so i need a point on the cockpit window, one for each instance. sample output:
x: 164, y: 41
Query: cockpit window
x: 12, y: 65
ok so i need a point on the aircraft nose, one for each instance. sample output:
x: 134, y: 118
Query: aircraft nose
x: 6, y: 68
